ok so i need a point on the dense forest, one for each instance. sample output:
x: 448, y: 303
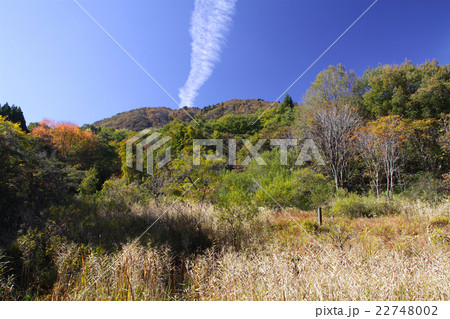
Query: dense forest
x: 78, y: 223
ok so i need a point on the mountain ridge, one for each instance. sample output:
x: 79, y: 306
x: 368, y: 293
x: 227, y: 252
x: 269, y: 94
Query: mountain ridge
x: 146, y: 117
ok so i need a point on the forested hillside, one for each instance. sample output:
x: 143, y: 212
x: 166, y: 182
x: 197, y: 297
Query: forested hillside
x: 142, y: 118
x: 78, y: 222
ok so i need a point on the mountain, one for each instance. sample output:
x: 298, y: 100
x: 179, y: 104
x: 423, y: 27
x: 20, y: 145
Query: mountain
x: 146, y: 117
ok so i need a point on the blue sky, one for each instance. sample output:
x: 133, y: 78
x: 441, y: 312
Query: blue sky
x: 57, y: 64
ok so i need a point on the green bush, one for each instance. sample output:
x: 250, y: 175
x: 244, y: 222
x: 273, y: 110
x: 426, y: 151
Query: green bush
x: 286, y: 186
x: 353, y: 206
x: 116, y: 196
x: 90, y: 182
x: 235, y: 205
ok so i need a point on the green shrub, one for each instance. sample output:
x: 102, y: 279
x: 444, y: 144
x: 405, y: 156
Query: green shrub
x: 90, y: 182
x: 354, y: 206
x: 286, y: 186
x: 235, y: 205
x: 303, y: 189
x: 116, y: 196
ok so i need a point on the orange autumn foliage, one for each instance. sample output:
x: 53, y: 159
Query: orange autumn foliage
x: 67, y: 138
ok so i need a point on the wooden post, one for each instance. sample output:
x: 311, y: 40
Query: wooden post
x: 319, y: 215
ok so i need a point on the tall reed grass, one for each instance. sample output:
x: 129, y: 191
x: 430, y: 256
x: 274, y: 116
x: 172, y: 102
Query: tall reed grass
x: 400, y: 257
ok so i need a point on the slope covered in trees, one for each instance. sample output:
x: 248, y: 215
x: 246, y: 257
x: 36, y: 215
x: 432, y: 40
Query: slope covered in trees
x: 142, y: 118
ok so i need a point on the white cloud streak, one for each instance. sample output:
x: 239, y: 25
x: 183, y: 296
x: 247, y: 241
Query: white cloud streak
x: 210, y: 23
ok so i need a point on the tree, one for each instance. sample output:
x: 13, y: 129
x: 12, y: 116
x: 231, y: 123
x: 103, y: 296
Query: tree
x: 367, y: 147
x: 14, y: 114
x: 287, y: 105
x: 202, y: 178
x: 68, y: 139
x: 16, y: 149
x: 422, y: 145
x: 82, y: 149
x: 32, y: 125
x: 412, y: 91
x: 30, y: 180
x: 382, y: 142
x: 331, y: 127
x: 433, y: 96
x: 335, y: 85
x: 331, y: 116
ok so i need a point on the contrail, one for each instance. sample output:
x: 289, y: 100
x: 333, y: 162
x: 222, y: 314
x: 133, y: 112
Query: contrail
x: 210, y: 22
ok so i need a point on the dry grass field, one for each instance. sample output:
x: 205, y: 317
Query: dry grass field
x: 281, y: 256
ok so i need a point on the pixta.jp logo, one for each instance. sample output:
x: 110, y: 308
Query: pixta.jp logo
x: 151, y: 144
